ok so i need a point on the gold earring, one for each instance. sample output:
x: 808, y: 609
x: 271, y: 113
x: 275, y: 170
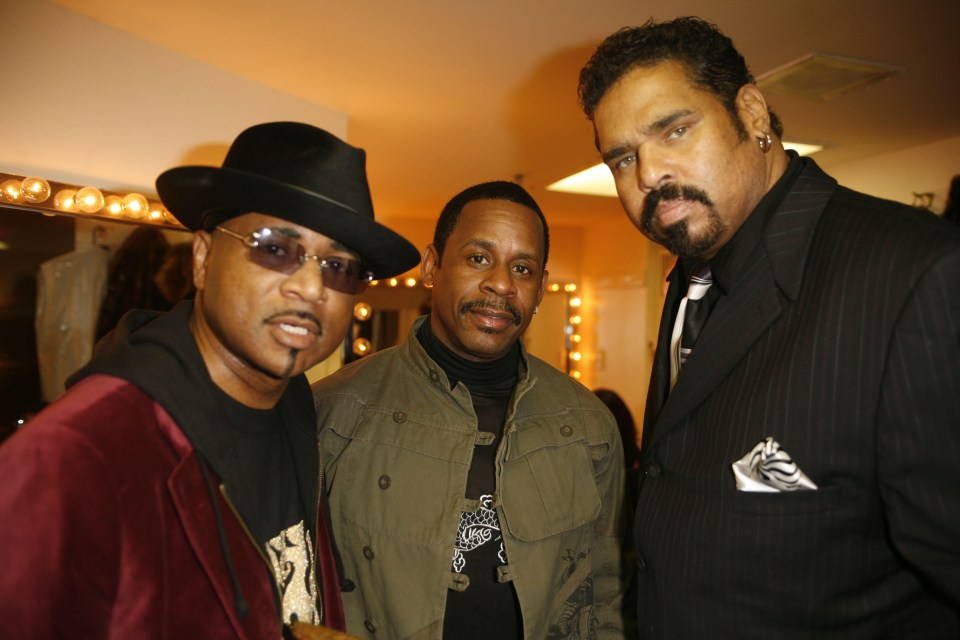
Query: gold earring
x: 765, y: 142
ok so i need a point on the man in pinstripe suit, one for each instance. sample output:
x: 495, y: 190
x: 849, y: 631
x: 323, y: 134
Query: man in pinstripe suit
x: 831, y: 353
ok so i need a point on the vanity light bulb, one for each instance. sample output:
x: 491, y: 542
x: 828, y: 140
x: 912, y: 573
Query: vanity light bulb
x: 157, y: 212
x: 65, y: 200
x: 135, y: 205
x: 361, y: 346
x: 113, y: 205
x: 35, y: 189
x: 362, y: 311
x: 410, y: 282
x: 89, y: 199
x: 11, y: 191
x: 575, y: 302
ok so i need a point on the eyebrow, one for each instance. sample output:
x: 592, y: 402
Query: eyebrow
x: 653, y: 127
x: 489, y: 245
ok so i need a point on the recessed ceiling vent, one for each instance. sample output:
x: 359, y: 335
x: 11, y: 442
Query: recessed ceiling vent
x: 821, y: 76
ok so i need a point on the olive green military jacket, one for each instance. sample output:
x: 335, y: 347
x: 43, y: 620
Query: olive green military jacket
x: 397, y: 445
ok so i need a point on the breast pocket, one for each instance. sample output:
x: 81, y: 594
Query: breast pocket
x: 395, y: 474
x: 786, y: 503
x: 547, y: 484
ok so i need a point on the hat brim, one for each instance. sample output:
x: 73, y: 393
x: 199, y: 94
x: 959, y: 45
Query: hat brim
x: 189, y: 192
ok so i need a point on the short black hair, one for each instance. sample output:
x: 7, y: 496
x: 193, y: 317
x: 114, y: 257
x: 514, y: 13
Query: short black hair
x: 711, y: 61
x: 496, y: 190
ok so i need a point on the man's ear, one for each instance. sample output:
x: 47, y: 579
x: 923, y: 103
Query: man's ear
x: 753, y: 111
x: 429, y: 264
x: 202, y: 241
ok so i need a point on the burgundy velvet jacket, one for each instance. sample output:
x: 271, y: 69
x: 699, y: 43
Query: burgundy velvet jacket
x: 108, y: 530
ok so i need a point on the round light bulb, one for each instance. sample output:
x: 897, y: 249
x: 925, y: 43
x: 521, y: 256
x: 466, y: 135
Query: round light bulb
x: 12, y: 191
x: 135, y: 205
x: 89, y: 199
x: 35, y: 189
x: 113, y: 205
x: 361, y: 346
x: 65, y: 200
x: 156, y: 212
x: 362, y: 311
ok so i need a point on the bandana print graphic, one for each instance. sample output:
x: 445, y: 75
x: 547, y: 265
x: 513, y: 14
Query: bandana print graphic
x: 477, y: 528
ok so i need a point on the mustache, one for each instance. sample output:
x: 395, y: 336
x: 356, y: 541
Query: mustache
x: 671, y: 191
x: 495, y: 306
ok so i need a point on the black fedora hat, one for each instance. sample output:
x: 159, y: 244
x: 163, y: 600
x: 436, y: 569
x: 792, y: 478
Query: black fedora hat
x: 296, y: 172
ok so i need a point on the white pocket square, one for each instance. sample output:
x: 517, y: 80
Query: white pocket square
x: 770, y: 469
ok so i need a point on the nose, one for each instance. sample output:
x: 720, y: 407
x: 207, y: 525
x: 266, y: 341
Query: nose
x: 306, y: 282
x: 653, y: 168
x: 499, y: 281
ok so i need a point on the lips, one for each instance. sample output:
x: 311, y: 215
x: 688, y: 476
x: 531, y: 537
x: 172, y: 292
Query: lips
x: 492, y: 320
x: 669, y: 212
x: 295, y: 331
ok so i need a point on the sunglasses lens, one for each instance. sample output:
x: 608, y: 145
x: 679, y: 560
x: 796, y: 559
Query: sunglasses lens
x: 343, y: 275
x: 277, y: 252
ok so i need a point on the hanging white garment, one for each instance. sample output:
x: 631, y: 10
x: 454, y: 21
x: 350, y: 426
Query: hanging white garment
x: 70, y: 289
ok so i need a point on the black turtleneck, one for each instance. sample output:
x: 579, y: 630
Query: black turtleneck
x: 493, y: 378
x: 487, y: 608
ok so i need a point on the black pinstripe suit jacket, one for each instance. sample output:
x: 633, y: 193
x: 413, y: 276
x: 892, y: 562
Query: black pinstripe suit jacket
x: 841, y: 340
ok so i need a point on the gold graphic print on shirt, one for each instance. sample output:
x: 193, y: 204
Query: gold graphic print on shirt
x: 291, y: 554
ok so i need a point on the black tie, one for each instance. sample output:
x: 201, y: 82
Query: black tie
x: 691, y: 316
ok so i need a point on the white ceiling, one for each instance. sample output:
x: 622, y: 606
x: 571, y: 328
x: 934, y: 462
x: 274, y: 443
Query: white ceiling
x: 447, y: 93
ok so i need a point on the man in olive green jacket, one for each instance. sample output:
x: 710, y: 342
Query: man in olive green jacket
x: 475, y: 491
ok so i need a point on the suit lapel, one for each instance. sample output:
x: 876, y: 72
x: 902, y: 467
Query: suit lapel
x: 772, y: 277
x: 735, y: 323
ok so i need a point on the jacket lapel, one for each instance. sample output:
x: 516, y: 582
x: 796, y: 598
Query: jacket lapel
x: 772, y: 277
x: 193, y: 504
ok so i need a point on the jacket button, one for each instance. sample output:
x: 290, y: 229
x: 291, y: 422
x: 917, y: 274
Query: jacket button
x: 384, y: 482
x: 399, y: 417
x: 434, y: 376
x: 372, y: 628
x: 653, y: 471
x: 566, y: 431
x: 368, y: 553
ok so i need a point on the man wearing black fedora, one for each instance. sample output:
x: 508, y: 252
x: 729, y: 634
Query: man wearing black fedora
x: 174, y: 490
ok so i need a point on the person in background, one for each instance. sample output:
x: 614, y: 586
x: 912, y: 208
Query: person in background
x: 476, y: 491
x: 801, y: 440
x: 173, y: 491
x: 628, y: 436
x: 130, y: 278
x: 174, y: 279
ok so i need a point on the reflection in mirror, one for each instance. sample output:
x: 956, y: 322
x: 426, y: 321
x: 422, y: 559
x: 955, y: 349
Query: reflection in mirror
x: 55, y: 273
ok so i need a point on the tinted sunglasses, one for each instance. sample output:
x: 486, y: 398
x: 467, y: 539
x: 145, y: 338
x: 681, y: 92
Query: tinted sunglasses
x: 278, y: 252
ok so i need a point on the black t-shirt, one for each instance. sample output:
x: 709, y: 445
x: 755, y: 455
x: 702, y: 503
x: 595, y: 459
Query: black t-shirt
x: 262, y: 484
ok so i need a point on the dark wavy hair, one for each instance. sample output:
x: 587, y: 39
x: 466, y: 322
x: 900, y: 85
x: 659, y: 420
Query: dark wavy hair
x: 496, y: 190
x: 711, y: 61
